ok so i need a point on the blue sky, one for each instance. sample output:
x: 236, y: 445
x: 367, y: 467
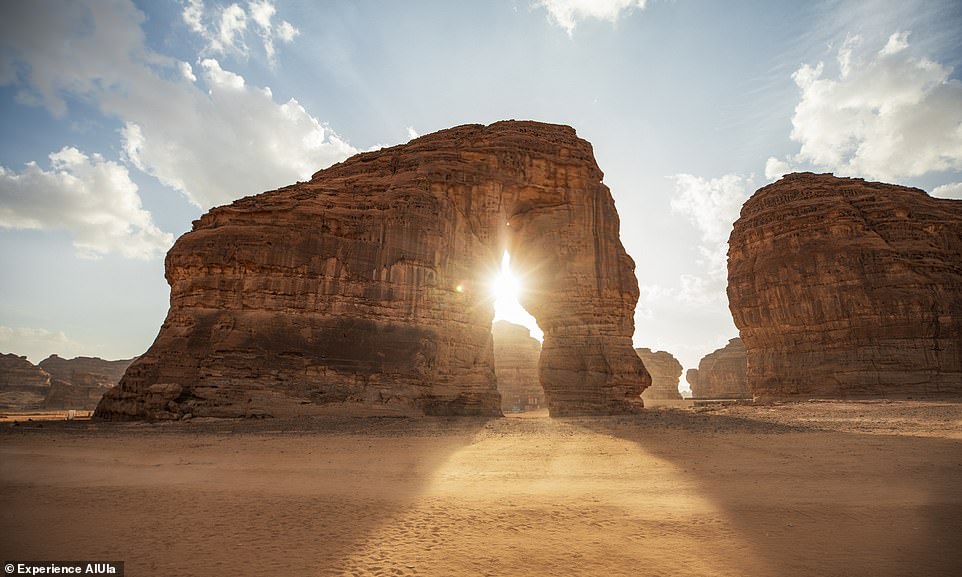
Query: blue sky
x: 124, y: 121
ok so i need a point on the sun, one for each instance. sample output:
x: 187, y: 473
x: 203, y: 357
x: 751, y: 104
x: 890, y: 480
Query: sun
x: 505, y: 288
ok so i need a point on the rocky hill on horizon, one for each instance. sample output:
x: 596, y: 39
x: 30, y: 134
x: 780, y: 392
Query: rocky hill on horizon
x: 56, y: 383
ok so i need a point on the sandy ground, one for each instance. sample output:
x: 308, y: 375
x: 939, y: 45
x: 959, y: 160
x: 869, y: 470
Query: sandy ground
x: 819, y: 489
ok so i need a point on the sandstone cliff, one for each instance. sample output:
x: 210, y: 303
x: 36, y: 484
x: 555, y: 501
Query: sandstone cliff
x: 365, y: 286
x: 721, y: 374
x: 846, y: 288
x: 665, y: 371
x: 23, y: 385
x: 516, y: 355
x: 79, y: 383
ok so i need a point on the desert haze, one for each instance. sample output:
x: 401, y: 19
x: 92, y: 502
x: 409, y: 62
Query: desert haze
x: 847, y: 489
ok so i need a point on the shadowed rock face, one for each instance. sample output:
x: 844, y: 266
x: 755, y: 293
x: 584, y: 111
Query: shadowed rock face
x: 23, y: 385
x: 366, y: 286
x: 665, y: 370
x: 80, y: 382
x: 56, y: 383
x: 721, y: 374
x: 846, y: 288
x: 516, y: 355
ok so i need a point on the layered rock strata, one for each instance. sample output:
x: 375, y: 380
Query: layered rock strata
x: 665, y: 371
x: 516, y: 355
x: 80, y: 383
x: 722, y: 374
x: 844, y: 288
x: 56, y: 383
x: 364, y: 287
x: 23, y: 385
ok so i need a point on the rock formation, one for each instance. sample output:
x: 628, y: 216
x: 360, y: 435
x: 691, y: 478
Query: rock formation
x: 365, y: 286
x: 845, y: 288
x: 23, y: 385
x: 721, y: 374
x: 516, y: 355
x: 665, y: 370
x: 56, y: 383
x: 80, y: 383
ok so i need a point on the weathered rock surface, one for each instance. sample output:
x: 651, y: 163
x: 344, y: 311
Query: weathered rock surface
x: 80, y: 383
x: 665, y: 371
x: 722, y: 374
x: 846, y: 288
x: 365, y: 286
x: 516, y: 355
x: 23, y: 385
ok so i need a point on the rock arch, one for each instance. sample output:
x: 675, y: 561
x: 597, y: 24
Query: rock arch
x: 362, y: 288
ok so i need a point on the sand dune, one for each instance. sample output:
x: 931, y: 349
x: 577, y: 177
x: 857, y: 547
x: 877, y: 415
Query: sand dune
x: 821, y: 489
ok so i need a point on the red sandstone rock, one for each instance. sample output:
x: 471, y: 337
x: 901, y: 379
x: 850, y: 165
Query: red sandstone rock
x: 23, y: 385
x: 516, y: 355
x: 721, y: 374
x: 79, y: 383
x: 846, y: 288
x: 665, y: 370
x: 364, y: 286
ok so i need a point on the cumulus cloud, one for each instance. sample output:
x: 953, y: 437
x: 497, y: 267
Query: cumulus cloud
x: 52, y: 47
x: 202, y: 129
x: 225, y: 28
x: 712, y: 205
x: 567, y: 13
x: 888, y: 114
x: 775, y: 168
x: 91, y: 198
x: 37, y: 344
x: 241, y: 141
x: 951, y: 190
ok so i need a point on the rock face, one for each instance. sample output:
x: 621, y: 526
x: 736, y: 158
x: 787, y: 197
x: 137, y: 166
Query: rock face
x: 23, y: 385
x: 846, y: 288
x: 80, y: 383
x: 365, y: 286
x: 721, y: 374
x: 665, y: 370
x: 516, y: 355
x: 56, y: 383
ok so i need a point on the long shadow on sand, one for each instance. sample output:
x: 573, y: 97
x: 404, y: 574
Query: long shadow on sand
x: 815, y: 502
x: 220, y: 498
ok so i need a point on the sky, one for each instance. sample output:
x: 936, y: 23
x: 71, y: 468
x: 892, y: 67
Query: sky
x: 123, y: 121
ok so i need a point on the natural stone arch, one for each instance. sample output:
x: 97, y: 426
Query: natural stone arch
x: 363, y: 288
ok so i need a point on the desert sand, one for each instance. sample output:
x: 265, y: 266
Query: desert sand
x: 823, y: 489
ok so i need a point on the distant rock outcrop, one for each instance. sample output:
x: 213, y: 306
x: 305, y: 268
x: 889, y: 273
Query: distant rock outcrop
x: 56, y: 383
x: 721, y: 374
x: 79, y: 383
x: 665, y: 371
x: 843, y: 288
x: 516, y: 355
x: 364, y: 288
x: 23, y: 385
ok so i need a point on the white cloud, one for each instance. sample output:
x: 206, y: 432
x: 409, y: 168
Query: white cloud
x: 888, y: 115
x: 71, y: 47
x: 412, y: 134
x: 37, y: 344
x: 712, y: 205
x: 241, y: 141
x: 951, y: 190
x: 91, y: 198
x: 187, y: 71
x: 567, y: 13
x: 224, y: 29
x: 286, y: 31
x: 215, y: 138
x: 775, y: 168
